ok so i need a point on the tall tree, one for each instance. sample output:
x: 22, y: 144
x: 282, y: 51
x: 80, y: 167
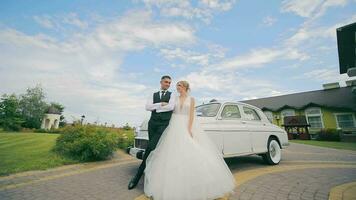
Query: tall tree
x: 10, y: 115
x: 33, y: 107
x: 57, y: 106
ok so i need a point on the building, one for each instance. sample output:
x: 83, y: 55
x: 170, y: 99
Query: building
x: 51, y: 119
x: 332, y: 107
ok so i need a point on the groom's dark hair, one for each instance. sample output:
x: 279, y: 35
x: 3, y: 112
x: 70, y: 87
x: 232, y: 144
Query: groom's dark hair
x: 165, y: 76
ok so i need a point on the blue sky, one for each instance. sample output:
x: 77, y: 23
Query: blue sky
x: 104, y: 58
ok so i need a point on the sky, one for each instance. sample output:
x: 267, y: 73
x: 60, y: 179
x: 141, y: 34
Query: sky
x: 103, y: 59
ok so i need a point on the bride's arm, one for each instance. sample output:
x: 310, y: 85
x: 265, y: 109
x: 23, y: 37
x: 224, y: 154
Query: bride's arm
x: 191, y: 116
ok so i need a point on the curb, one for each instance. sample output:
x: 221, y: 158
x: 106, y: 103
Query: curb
x: 338, y: 192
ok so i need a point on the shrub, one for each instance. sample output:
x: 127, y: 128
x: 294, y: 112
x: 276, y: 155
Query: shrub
x: 328, y: 135
x: 41, y: 130
x: 125, y: 140
x: 86, y: 143
x: 28, y: 130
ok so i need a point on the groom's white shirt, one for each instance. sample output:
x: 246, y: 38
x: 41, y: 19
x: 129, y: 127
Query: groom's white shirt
x: 150, y: 106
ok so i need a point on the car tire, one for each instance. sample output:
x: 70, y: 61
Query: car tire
x: 140, y: 154
x: 274, y: 154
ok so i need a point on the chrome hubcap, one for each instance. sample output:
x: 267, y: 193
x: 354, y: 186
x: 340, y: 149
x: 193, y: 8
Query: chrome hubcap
x: 275, y: 151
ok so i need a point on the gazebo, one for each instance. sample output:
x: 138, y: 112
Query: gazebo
x: 298, y: 124
x: 51, y: 119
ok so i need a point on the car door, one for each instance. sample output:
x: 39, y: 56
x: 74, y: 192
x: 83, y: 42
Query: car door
x: 206, y: 116
x: 257, y: 128
x: 236, y: 137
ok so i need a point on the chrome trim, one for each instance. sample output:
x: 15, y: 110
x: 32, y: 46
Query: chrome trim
x: 219, y: 130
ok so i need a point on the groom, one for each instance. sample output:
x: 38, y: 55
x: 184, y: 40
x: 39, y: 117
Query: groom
x: 161, y: 106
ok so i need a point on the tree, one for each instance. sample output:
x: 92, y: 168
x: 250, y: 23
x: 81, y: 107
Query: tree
x: 127, y: 127
x: 10, y: 115
x: 33, y: 107
x: 60, y: 108
x: 62, y: 121
x: 57, y: 106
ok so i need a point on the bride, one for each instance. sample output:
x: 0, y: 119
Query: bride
x: 186, y: 164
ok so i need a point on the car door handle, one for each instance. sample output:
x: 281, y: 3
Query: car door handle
x: 243, y: 122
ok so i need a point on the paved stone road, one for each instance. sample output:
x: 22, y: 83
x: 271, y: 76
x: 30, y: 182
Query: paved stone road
x: 297, y: 184
x: 305, y: 172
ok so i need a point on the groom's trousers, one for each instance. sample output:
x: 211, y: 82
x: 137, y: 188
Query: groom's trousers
x: 155, y: 130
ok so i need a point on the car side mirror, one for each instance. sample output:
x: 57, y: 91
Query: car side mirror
x: 199, y: 113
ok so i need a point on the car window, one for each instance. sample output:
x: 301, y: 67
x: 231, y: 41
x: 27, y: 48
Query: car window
x: 231, y: 112
x: 207, y: 110
x: 251, y: 114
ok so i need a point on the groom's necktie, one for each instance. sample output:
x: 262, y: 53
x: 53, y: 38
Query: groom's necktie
x: 162, y: 93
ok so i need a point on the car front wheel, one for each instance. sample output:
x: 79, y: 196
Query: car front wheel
x: 273, y: 155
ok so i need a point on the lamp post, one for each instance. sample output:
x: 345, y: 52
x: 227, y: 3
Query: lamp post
x: 81, y: 121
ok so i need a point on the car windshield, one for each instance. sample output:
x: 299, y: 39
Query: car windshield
x: 207, y: 110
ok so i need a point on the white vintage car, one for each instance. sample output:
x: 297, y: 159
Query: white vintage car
x: 237, y: 129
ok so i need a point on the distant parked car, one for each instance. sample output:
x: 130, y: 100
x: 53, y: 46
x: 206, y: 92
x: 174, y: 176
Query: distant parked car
x: 237, y: 129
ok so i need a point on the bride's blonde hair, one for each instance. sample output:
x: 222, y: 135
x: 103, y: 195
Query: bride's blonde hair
x: 185, y: 84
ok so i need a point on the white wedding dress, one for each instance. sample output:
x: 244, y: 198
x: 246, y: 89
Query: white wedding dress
x: 186, y: 168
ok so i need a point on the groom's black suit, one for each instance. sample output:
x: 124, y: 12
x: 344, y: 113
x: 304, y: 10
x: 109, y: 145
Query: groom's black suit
x: 156, y: 125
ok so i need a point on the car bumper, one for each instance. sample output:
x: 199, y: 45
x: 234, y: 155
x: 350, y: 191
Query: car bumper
x: 136, y: 152
x: 285, y: 144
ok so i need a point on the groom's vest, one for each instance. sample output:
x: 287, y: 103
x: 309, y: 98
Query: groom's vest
x: 161, y: 115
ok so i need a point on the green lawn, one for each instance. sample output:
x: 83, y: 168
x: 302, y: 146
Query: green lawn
x: 28, y: 151
x: 336, y: 145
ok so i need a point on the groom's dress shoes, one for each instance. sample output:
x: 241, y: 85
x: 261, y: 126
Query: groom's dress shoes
x: 133, y: 182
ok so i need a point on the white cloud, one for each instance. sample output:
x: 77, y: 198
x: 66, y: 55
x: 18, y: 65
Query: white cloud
x: 136, y: 30
x: 259, y: 57
x: 188, y: 56
x: 83, y: 71
x: 202, y: 10
x: 227, y: 85
x: 191, y: 57
x: 303, y: 8
x: 255, y: 58
x: 73, y: 19
x: 325, y: 75
x: 58, y: 22
x: 221, y: 75
x: 269, y: 21
x: 44, y: 21
x: 219, y: 5
x: 310, y: 8
x: 313, y: 33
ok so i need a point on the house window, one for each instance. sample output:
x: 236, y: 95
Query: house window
x: 315, y: 122
x: 269, y: 115
x: 345, y: 120
x: 314, y: 117
x: 286, y: 113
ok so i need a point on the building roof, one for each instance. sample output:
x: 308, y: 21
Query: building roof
x: 338, y: 98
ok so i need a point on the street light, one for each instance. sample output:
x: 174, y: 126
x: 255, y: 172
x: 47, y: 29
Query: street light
x: 81, y: 121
